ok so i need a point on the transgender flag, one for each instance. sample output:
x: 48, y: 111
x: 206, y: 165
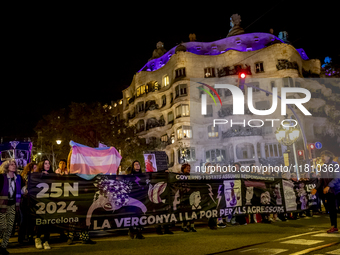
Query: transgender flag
x: 87, y: 162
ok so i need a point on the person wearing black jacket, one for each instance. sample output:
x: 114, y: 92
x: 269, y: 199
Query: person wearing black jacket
x: 135, y: 232
x: 328, y: 187
x: 44, y: 167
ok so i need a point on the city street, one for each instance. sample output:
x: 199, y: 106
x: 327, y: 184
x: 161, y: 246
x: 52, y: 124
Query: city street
x: 303, y: 236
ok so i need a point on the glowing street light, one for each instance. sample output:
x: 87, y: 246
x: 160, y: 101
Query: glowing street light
x: 288, y: 135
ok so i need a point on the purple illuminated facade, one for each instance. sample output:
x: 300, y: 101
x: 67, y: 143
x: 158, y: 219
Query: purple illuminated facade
x: 243, y: 43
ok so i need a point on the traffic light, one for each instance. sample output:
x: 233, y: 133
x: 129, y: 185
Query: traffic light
x: 242, y: 74
x: 301, y: 155
x: 312, y: 150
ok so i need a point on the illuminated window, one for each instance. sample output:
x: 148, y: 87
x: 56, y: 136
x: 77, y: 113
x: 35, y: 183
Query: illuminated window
x: 212, y: 132
x: 172, y: 138
x: 165, y: 80
x: 209, y: 72
x: 142, y: 89
x: 182, y: 110
x: 121, y: 101
x: 215, y: 156
x: 164, y: 138
x: 184, y: 132
x: 187, y: 154
x: 115, y: 105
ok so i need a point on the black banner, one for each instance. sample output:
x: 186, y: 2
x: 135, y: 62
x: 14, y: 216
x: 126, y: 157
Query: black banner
x: 111, y: 201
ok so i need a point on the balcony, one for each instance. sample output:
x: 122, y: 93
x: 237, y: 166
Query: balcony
x: 236, y: 131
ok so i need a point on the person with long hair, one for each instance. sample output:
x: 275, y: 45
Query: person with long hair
x: 62, y: 167
x: 25, y: 228
x: 43, y: 167
x: 136, y: 232
x: 11, y: 189
x: 185, y: 169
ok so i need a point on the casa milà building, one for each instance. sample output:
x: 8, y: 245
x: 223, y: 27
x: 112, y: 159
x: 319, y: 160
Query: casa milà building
x: 157, y: 101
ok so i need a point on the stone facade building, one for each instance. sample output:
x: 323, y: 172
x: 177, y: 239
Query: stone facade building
x: 158, y: 103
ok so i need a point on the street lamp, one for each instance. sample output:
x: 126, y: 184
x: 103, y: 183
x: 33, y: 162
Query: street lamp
x: 58, y: 141
x: 288, y: 135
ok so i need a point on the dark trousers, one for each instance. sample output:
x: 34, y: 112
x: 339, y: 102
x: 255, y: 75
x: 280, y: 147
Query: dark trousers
x: 331, y: 206
x: 43, y: 230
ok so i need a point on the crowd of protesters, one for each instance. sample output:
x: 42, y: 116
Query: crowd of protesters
x: 14, y: 204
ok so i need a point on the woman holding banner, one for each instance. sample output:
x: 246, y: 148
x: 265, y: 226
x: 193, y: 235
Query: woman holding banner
x: 135, y: 169
x: 11, y: 189
x: 185, y: 169
x: 44, y: 167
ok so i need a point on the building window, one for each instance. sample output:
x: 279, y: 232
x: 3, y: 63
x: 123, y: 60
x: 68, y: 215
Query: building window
x: 172, y: 158
x: 141, y: 90
x: 219, y: 92
x: 213, y: 131
x: 272, y: 84
x: 182, y: 110
x: 209, y: 111
x: 163, y: 100
x: 172, y: 137
x: 259, y: 67
x: 209, y: 72
x: 164, y: 138
x: 186, y: 154
x: 273, y: 150
x: 245, y: 151
x: 180, y: 72
x: 255, y: 86
x: 267, y: 128
x: 227, y: 93
x: 215, y: 156
x: 184, y: 132
x: 140, y: 126
x: 181, y: 90
x: 287, y: 82
x: 170, y: 117
x: 140, y: 107
x: 165, y: 80
x: 262, y: 105
x: 171, y: 97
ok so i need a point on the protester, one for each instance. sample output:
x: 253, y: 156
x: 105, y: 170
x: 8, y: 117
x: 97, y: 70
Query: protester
x: 72, y: 233
x: 185, y: 169
x: 11, y: 189
x: 62, y: 167
x: 26, y: 227
x: 44, y: 167
x: 328, y: 187
x: 136, y: 232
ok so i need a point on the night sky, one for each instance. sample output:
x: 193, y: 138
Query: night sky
x: 90, y: 53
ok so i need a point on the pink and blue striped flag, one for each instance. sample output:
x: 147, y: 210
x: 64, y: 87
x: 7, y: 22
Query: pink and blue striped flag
x: 87, y: 162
